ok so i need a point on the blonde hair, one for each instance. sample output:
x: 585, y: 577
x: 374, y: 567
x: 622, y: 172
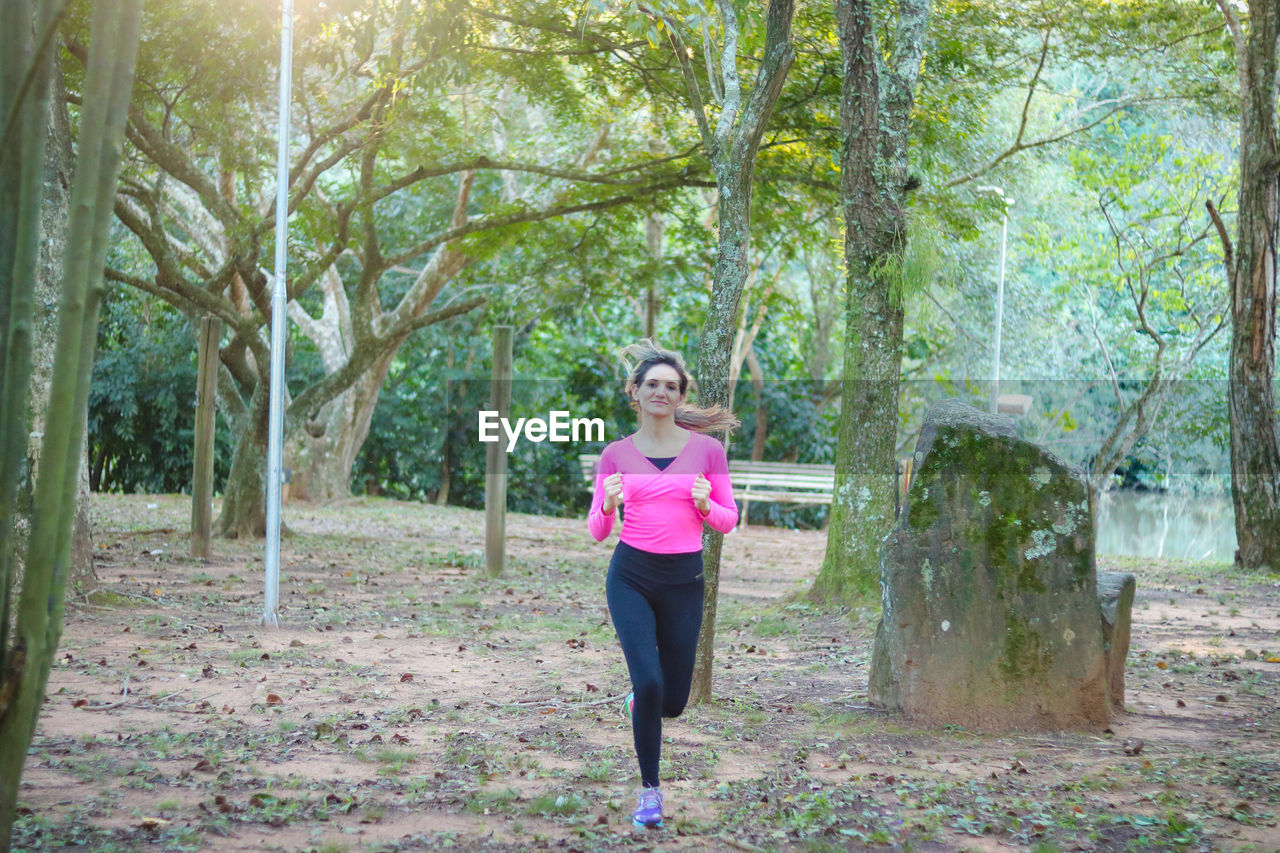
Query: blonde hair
x: 639, y: 358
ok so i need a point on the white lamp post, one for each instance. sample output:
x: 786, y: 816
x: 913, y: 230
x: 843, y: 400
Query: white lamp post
x: 995, y: 358
x: 279, y: 298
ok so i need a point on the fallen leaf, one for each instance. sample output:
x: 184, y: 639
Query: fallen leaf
x: 408, y: 676
x: 273, y: 699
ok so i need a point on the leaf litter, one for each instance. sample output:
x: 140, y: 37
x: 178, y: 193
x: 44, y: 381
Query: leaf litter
x: 410, y: 703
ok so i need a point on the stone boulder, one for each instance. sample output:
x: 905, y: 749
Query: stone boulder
x: 990, y: 605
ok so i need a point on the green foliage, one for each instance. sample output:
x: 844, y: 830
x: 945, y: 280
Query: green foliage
x: 142, y: 400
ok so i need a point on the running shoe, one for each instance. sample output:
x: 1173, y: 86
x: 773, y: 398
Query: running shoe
x: 648, y: 808
x: 628, y: 704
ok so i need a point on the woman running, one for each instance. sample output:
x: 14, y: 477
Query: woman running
x: 673, y: 479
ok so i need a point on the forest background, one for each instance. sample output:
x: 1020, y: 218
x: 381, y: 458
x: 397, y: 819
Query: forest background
x: 465, y: 165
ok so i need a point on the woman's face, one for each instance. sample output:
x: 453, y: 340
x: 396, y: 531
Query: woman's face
x: 659, y: 391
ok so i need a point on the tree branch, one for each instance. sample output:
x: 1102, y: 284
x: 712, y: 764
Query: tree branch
x: 503, y: 221
x: 174, y: 161
x: 439, y: 316
x: 729, y: 78
x: 1117, y: 105
x: 1228, y: 251
x: 1031, y: 87
x: 690, y: 79
x: 1237, y: 33
x: 775, y: 63
x: 310, y: 401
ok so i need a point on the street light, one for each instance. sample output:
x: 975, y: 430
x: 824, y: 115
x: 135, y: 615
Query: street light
x: 1004, y: 237
x: 279, y: 297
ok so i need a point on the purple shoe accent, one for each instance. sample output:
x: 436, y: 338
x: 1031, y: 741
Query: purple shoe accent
x: 648, y: 811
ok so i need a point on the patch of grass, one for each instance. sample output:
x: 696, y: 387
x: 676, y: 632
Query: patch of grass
x: 470, y: 560
x: 600, y: 769
x: 489, y: 801
x: 474, y: 753
x: 107, y: 598
x: 556, y: 805
x: 330, y: 847
x: 394, y: 761
x: 772, y: 625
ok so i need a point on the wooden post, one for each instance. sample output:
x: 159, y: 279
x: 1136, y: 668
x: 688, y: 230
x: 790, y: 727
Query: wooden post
x: 202, y: 467
x: 495, y: 481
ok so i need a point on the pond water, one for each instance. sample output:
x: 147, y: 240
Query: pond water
x: 1151, y: 524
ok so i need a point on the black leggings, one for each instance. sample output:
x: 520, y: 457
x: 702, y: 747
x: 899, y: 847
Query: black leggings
x: 655, y: 601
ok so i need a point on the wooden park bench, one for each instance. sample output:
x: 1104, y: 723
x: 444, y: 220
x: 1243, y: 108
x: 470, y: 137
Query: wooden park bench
x: 772, y: 482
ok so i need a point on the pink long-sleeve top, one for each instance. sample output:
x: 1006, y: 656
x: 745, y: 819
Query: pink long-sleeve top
x: 659, y: 514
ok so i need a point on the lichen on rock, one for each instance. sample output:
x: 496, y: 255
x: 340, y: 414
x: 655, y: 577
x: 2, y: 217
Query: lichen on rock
x: 996, y: 543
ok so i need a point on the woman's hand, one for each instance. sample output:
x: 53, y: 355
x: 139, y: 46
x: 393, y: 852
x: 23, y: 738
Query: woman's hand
x: 612, y: 493
x: 702, y: 494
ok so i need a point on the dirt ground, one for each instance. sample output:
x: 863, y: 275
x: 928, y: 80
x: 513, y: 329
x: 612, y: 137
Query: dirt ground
x: 407, y: 702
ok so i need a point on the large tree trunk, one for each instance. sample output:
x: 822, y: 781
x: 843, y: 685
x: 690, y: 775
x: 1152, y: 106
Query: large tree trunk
x: 244, y: 503
x: 1255, y: 446
x: 875, y: 112
x: 322, y: 453
x: 54, y: 214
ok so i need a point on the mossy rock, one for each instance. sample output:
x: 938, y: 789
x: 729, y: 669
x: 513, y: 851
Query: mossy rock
x: 991, y: 615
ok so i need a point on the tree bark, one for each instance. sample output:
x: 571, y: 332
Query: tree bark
x: 244, y: 501
x: 321, y: 454
x: 1251, y: 271
x: 54, y: 214
x: 875, y: 114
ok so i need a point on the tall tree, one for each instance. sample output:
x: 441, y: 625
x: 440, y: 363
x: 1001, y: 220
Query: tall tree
x: 1251, y: 274
x: 26, y: 655
x: 731, y: 145
x: 875, y: 115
